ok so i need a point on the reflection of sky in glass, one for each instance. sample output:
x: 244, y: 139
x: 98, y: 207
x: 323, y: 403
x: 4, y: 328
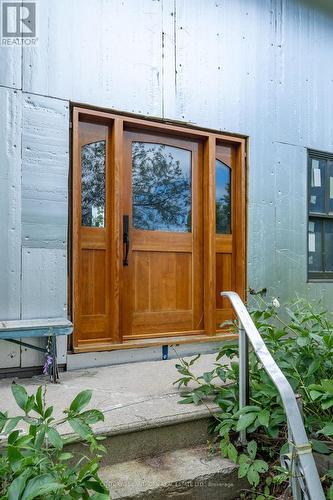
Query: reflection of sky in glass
x: 161, y: 187
x: 222, y: 179
x: 223, y: 206
x: 177, y: 154
x: 93, y: 184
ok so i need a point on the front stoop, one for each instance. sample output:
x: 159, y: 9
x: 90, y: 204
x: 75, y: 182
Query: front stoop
x: 156, y: 447
x: 187, y: 474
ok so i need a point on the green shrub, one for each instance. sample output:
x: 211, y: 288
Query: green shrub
x: 300, y: 338
x: 34, y: 464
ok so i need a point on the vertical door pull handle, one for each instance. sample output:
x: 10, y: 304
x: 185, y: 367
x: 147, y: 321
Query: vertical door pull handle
x: 126, y: 240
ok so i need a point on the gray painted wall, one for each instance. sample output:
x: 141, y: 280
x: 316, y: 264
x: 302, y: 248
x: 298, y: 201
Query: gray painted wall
x: 262, y: 68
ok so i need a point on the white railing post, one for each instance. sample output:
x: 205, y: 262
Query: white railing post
x: 243, y: 374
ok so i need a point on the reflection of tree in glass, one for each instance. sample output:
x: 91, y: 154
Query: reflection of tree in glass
x: 223, y: 215
x: 93, y: 184
x: 161, y: 189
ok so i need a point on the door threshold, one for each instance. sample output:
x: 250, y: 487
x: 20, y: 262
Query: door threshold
x: 155, y: 342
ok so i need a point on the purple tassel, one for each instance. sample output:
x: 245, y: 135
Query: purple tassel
x: 48, y: 363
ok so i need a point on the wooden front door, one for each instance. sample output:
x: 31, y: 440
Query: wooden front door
x: 158, y: 231
x: 162, y: 224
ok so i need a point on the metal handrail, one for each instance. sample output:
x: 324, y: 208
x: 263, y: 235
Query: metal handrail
x: 305, y: 481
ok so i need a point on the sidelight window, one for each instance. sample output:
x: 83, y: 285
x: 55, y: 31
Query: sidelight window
x: 93, y: 184
x: 223, y: 198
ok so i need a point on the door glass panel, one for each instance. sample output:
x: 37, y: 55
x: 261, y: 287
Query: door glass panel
x: 223, y: 198
x: 328, y: 245
x: 93, y: 184
x: 317, y: 186
x: 161, y: 187
x: 315, y: 245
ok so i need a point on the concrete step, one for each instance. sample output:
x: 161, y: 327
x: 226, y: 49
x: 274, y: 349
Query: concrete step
x: 153, y: 437
x: 187, y: 474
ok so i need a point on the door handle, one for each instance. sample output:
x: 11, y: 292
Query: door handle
x: 126, y: 240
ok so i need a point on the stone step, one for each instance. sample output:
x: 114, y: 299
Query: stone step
x: 187, y: 474
x: 153, y: 437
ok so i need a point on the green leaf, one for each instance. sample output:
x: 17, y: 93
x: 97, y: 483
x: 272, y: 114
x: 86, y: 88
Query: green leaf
x: 302, y: 341
x: 260, y: 466
x: 55, y: 438
x: 88, y: 469
x: 20, y: 395
x: 30, y: 403
x: 232, y: 452
x: 315, y: 395
x: 100, y: 496
x: 41, y: 485
x: 252, y: 449
x: 284, y: 449
x: 320, y: 447
x: 243, y: 469
x: 208, y: 377
x: 327, y: 403
x: 248, y: 409
x: 40, y: 436
x: 263, y: 417
x: 80, y: 401
x: 11, y: 424
x: 95, y: 486
x: 224, y: 448
x: 13, y: 436
x: 327, y: 430
x: 197, y: 397
x: 39, y: 400
x: 65, y: 456
x: 253, y: 476
x: 48, y: 412
x: 3, y: 420
x: 80, y: 427
x: 13, y: 454
x: 245, y: 420
x: 92, y: 416
x: 315, y: 364
x: 15, y: 489
x: 186, y: 401
x: 328, y: 386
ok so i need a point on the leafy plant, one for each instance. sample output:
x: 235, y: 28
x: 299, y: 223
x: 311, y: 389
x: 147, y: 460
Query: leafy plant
x: 34, y: 464
x: 300, y: 338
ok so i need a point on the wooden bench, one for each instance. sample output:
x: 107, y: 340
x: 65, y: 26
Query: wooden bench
x: 16, y: 330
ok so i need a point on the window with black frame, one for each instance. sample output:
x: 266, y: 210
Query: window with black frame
x: 320, y: 225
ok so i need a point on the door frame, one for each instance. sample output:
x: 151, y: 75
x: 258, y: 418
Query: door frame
x: 118, y: 122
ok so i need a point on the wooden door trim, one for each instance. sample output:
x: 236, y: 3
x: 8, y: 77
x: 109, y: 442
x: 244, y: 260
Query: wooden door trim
x: 165, y: 127
x: 119, y: 123
x: 159, y: 341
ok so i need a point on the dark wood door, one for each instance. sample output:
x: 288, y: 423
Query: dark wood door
x: 162, y: 221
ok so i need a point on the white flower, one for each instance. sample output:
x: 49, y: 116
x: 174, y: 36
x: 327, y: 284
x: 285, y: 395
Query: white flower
x: 275, y: 302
